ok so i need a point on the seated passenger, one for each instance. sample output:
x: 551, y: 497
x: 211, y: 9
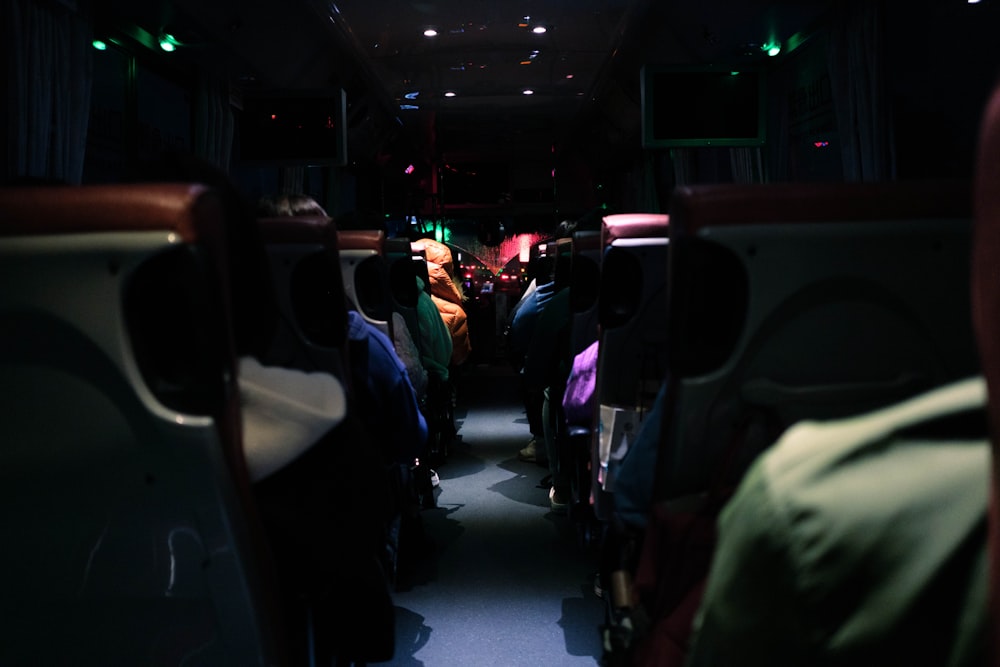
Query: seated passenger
x: 277, y: 206
x: 578, y: 399
x: 859, y: 541
x: 546, y: 369
x: 636, y: 473
x: 433, y: 335
x: 448, y: 298
x: 388, y: 405
x: 522, y: 324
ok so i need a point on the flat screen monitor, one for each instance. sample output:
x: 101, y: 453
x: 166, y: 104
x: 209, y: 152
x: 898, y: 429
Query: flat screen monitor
x: 308, y: 128
x: 702, y: 106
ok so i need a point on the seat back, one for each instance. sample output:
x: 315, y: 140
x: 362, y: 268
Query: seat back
x: 305, y: 266
x: 585, y: 280
x: 365, y: 275
x: 123, y: 465
x: 986, y: 312
x: 792, y: 302
x: 631, y: 363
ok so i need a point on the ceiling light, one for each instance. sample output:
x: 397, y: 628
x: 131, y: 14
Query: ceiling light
x: 450, y: 93
x: 527, y: 91
x: 99, y: 44
x: 539, y: 30
x: 430, y: 32
x: 771, y: 48
x: 168, y: 42
x: 569, y: 76
x: 412, y: 96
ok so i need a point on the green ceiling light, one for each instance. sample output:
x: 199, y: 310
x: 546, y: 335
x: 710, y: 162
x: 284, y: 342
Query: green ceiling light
x: 99, y: 44
x: 771, y: 48
x: 168, y: 42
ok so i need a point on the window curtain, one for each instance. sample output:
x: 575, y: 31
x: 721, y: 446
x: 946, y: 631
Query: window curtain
x: 747, y: 165
x: 50, y: 77
x: 291, y: 180
x: 683, y: 163
x: 857, y: 72
x: 214, y: 124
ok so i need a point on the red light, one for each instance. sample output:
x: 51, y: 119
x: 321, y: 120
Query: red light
x: 409, y: 169
x: 821, y: 144
x: 468, y: 275
x: 274, y: 116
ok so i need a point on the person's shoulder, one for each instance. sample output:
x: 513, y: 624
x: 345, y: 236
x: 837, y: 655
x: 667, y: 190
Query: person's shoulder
x: 811, y: 446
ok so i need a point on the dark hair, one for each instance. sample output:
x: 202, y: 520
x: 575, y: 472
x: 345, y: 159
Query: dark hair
x: 565, y: 229
x: 276, y: 206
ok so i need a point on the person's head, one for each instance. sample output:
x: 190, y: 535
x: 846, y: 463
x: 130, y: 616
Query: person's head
x: 565, y: 229
x: 276, y: 206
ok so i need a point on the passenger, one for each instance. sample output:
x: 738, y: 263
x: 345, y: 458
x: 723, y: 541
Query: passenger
x: 388, y: 391
x: 408, y: 353
x: 546, y: 370
x: 277, y: 206
x: 635, y: 478
x: 859, y: 541
x: 579, y: 398
x: 523, y: 318
x: 433, y: 335
x: 435, y: 346
x: 448, y: 297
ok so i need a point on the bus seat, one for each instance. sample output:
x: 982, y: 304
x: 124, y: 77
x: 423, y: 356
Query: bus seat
x: 305, y: 266
x: 365, y: 275
x: 327, y: 534
x: 817, y: 301
x: 631, y: 363
x: 986, y: 312
x: 585, y: 280
x: 134, y: 539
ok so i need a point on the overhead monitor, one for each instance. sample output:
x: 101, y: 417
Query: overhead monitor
x: 702, y: 106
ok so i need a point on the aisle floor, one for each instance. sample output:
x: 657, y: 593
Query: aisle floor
x: 508, y: 581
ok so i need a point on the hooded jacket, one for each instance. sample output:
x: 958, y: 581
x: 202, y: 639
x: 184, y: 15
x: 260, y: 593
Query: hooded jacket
x: 448, y: 298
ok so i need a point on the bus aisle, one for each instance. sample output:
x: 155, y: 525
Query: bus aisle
x: 507, y: 581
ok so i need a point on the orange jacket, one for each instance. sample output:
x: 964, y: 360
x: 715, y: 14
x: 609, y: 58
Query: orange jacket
x: 448, y: 298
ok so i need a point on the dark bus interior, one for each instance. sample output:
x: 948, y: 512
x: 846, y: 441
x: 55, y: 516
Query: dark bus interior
x: 680, y: 234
